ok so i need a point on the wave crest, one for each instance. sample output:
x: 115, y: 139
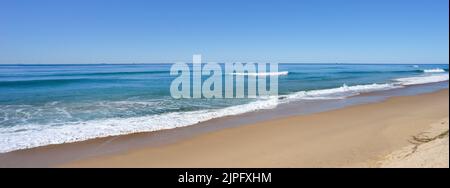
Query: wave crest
x: 282, y: 73
x: 422, y: 79
x: 437, y: 70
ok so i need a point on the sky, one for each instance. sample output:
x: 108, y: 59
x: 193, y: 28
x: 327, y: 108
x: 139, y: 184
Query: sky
x: 168, y: 31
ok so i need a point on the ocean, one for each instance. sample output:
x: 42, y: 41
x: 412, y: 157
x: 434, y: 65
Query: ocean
x: 52, y: 104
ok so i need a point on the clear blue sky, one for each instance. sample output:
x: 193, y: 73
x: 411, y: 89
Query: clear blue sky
x: 144, y: 31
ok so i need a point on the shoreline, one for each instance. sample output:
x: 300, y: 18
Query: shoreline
x: 114, y: 145
x: 352, y: 138
x: 33, y: 135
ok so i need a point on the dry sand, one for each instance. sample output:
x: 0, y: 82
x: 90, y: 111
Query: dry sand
x: 427, y: 150
x: 358, y: 136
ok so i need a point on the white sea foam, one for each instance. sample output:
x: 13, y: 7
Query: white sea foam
x: 433, y: 70
x: 34, y: 135
x: 282, y: 73
x: 422, y: 79
x: 340, y: 92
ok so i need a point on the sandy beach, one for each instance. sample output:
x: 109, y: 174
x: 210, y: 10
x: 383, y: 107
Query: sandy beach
x: 243, y: 86
x: 369, y: 135
x: 427, y: 149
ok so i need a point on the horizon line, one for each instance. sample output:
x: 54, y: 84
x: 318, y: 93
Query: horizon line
x: 2, y: 64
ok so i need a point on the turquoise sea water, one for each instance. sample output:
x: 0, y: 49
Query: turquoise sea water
x: 51, y: 104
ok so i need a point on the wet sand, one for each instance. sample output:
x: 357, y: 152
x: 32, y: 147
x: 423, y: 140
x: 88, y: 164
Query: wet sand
x: 355, y: 136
